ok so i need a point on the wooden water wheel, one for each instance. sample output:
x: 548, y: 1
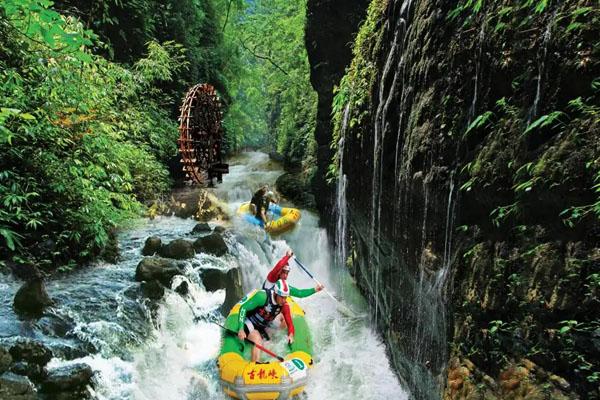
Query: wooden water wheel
x: 201, y: 135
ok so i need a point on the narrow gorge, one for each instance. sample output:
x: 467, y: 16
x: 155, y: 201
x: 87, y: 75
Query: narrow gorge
x: 462, y: 144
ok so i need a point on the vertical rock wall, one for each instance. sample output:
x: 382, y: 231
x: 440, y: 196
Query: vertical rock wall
x: 471, y: 148
x: 330, y: 29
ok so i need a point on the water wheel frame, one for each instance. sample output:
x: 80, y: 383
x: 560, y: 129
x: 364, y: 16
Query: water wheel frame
x: 201, y: 135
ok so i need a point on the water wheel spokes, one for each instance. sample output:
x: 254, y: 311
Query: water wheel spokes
x: 201, y: 135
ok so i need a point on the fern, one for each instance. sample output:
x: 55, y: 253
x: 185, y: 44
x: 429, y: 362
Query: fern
x: 546, y: 120
x: 483, y: 120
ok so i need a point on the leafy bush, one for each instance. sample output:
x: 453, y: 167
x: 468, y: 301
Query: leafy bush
x: 81, y: 138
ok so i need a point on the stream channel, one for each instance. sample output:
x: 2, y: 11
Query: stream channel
x: 101, y: 320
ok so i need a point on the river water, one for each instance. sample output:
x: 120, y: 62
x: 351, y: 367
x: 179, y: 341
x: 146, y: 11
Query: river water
x: 167, y: 353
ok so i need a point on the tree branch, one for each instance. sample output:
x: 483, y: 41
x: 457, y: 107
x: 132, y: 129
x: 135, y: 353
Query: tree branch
x: 227, y: 15
x: 262, y: 57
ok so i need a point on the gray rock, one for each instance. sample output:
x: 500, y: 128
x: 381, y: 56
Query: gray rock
x: 211, y: 244
x: 156, y: 268
x: 30, y: 351
x: 16, y: 387
x: 201, y: 228
x: 32, y: 298
x: 179, y: 249
x: 68, y: 378
x: 151, y: 246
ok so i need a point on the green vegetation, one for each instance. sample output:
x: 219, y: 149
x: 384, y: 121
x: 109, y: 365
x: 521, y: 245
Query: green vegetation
x: 274, y: 106
x: 89, y: 100
x: 83, y: 140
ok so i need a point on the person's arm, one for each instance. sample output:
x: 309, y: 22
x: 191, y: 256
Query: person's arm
x: 258, y: 300
x: 274, y: 273
x: 287, y: 315
x: 300, y: 293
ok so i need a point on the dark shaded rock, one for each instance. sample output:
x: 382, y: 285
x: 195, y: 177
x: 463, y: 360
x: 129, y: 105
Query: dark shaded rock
x: 183, y: 288
x: 231, y: 281
x: 152, y: 290
x: 219, y: 229
x: 5, y: 360
x: 179, y: 249
x: 273, y: 155
x: 211, y: 244
x: 26, y: 272
x: 32, y: 298
x: 201, y: 228
x: 151, y: 246
x: 33, y: 371
x: 326, y: 38
x: 214, y: 279
x: 30, y: 351
x: 16, y: 387
x: 68, y: 378
x: 156, y: 268
x: 293, y: 186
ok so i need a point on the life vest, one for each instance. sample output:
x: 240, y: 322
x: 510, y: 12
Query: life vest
x: 268, y: 285
x: 262, y: 316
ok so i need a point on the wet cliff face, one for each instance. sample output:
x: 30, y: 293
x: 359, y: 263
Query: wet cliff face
x: 468, y: 147
x: 330, y: 29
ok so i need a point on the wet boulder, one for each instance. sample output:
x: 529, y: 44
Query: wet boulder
x: 152, y: 290
x: 183, y: 288
x: 156, y: 268
x: 179, y: 249
x: 30, y: 351
x: 33, y: 371
x: 5, y: 360
x: 211, y: 244
x: 71, y: 378
x: 151, y: 246
x: 32, y: 298
x: 231, y: 281
x: 201, y: 227
x: 219, y: 229
x: 16, y: 387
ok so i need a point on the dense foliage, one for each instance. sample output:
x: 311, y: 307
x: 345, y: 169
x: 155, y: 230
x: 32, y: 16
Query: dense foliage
x: 90, y: 96
x: 274, y: 105
x: 82, y: 140
x: 125, y: 26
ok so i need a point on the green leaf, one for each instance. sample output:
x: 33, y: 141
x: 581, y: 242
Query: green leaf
x: 544, y: 121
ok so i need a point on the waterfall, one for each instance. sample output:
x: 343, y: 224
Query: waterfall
x: 541, y: 69
x: 472, y: 109
x: 341, y: 205
x: 384, y: 100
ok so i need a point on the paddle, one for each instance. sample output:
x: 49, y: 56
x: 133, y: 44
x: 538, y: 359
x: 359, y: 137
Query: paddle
x: 269, y: 352
x: 343, y: 309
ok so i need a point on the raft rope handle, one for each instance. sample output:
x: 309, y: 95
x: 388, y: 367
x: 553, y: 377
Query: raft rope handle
x: 340, y: 305
x: 264, y: 349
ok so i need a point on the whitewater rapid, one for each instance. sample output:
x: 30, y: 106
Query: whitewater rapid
x: 170, y: 353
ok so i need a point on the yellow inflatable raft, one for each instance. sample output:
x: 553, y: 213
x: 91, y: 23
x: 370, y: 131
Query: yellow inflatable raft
x: 243, y: 379
x: 287, y: 218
